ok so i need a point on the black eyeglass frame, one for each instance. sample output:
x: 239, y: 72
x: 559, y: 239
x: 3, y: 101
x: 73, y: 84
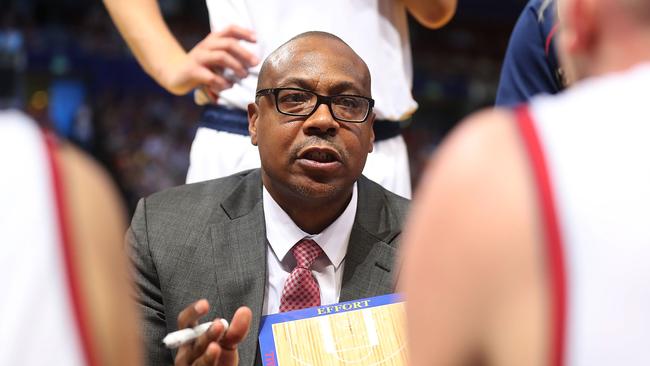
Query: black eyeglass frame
x: 320, y: 99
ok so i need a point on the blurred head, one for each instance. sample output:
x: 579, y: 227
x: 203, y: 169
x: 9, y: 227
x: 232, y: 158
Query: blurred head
x: 568, y: 58
x: 597, y: 36
x: 316, y: 157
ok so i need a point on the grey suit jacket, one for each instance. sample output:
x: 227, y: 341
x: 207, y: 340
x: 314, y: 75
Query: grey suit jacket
x: 208, y: 240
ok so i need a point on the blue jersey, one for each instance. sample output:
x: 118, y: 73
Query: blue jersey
x: 530, y: 66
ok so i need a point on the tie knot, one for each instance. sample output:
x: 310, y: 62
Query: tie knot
x: 306, y: 252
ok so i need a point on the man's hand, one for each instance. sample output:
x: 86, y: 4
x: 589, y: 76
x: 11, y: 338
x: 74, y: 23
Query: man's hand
x: 213, y: 347
x: 142, y: 25
x: 203, y: 66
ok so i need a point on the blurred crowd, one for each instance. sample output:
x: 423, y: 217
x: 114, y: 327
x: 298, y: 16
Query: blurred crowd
x: 65, y: 64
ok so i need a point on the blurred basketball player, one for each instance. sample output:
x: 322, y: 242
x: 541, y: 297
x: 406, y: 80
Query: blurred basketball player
x: 66, y: 296
x: 530, y: 242
x: 531, y: 65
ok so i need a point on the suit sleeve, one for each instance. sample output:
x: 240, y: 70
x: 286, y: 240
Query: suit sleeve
x: 149, y: 295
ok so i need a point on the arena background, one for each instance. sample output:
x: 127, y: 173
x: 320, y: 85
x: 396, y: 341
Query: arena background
x: 64, y: 63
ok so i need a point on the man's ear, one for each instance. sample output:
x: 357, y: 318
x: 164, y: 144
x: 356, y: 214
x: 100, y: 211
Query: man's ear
x: 371, y: 123
x: 582, y: 18
x: 253, y: 115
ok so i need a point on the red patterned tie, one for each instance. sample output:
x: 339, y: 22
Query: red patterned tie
x: 301, y: 289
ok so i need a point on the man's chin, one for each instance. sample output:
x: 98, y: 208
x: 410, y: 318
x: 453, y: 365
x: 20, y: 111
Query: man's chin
x: 317, y: 190
x: 314, y: 189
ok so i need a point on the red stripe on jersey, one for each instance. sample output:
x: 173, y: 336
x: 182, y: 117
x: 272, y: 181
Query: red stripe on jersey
x: 68, y: 252
x: 552, y: 231
x: 549, y: 38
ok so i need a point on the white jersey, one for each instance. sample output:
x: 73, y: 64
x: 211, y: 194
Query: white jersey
x: 38, y: 322
x: 376, y: 29
x: 590, y: 149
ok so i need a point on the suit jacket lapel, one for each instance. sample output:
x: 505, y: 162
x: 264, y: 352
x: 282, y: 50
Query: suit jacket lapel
x: 372, y: 249
x: 239, y: 254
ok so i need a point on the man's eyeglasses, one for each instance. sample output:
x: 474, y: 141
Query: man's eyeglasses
x: 302, y: 103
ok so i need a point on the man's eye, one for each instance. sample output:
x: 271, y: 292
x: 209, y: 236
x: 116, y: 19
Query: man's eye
x: 348, y: 102
x: 295, y: 98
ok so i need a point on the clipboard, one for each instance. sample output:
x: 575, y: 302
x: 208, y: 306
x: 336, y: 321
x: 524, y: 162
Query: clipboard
x: 364, y: 332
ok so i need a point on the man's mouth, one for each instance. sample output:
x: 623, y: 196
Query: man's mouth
x: 320, y: 159
x: 320, y: 154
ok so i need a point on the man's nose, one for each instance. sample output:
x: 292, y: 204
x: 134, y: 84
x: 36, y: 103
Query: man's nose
x: 321, y: 122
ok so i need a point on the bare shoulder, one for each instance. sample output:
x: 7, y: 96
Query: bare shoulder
x: 486, y: 132
x: 477, y: 189
x: 96, y: 220
x: 470, y: 243
x: 89, y: 187
x: 475, y: 159
x: 94, y: 209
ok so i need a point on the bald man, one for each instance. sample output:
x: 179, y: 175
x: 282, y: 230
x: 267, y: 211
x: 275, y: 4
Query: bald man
x: 306, y: 229
x: 530, y: 242
x: 225, y: 66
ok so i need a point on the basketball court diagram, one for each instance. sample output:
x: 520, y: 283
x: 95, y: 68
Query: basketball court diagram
x: 365, y: 337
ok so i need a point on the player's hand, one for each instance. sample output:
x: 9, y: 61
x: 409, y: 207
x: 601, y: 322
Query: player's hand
x: 204, y: 65
x: 212, y: 347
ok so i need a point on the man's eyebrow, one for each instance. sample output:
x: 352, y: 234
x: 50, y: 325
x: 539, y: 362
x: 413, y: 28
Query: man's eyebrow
x: 342, y: 87
x: 346, y: 87
x: 295, y: 82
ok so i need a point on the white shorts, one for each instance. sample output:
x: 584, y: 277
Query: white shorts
x: 216, y: 154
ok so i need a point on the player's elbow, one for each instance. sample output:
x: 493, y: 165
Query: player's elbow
x: 434, y: 16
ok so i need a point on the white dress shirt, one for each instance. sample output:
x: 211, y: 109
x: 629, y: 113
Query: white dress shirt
x: 282, y: 234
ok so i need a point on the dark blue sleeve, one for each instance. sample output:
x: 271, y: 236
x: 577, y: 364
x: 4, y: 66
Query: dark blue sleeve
x: 527, y: 70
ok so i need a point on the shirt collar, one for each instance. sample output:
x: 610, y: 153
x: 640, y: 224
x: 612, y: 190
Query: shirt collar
x: 282, y: 233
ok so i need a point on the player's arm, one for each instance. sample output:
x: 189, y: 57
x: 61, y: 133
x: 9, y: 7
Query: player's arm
x: 469, y: 248
x: 157, y: 50
x: 432, y: 13
x: 95, y: 218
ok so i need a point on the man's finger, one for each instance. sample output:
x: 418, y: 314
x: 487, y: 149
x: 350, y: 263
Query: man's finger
x: 181, y: 356
x: 238, y: 32
x: 211, y: 335
x: 192, y: 313
x: 195, y: 351
x: 239, y: 327
x: 233, y: 47
x: 218, y: 83
x: 222, y: 59
x: 210, y: 80
x: 210, y: 356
